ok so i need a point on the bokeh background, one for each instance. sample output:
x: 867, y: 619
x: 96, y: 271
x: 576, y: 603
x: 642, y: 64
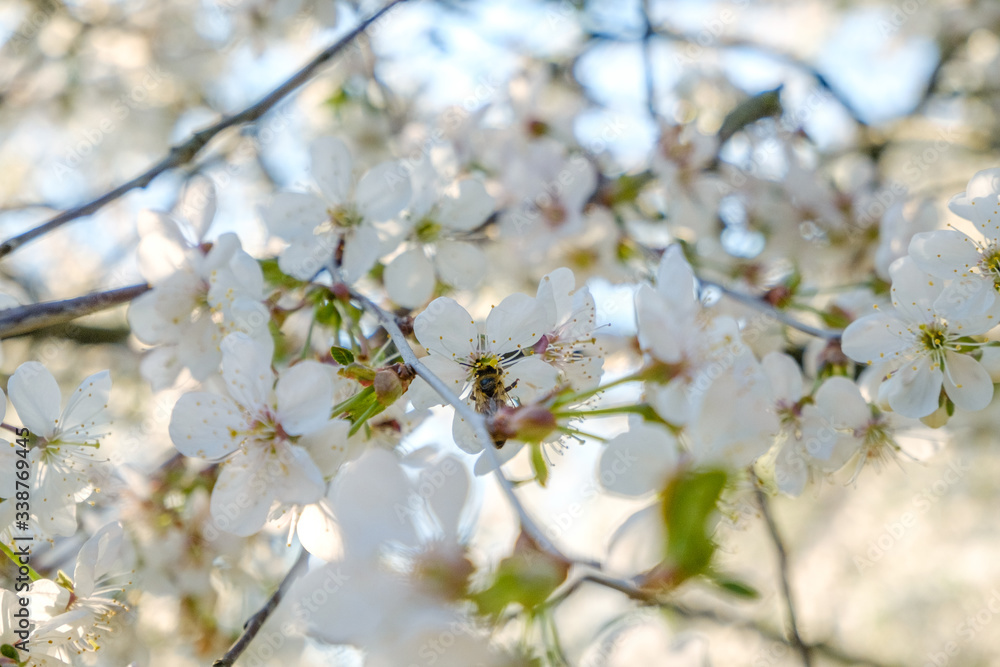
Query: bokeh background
x: 879, y: 104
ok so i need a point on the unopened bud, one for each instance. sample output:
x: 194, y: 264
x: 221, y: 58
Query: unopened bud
x: 388, y: 387
x: 341, y: 291
x: 530, y: 423
x: 779, y: 296
x: 936, y: 419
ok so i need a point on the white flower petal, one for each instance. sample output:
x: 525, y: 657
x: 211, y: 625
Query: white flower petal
x: 966, y: 382
x: 446, y: 329
x: 484, y: 464
x: 85, y: 410
x: 291, y: 215
x: 555, y: 293
x: 675, y: 282
x: 242, y: 496
x: 784, y: 375
x: 516, y: 323
x: 246, y: 370
x: 638, y: 461
x: 461, y: 265
x: 469, y: 209
x: 913, y: 291
x: 409, y: 278
x: 319, y: 532
x: 331, y: 168
x: 534, y: 377
x: 841, y: 403
x: 305, y: 395
x: 305, y: 256
x: 197, y: 205
x: 445, y: 486
x: 945, y: 253
x: 372, y: 502
x: 914, y: 389
x: 330, y: 447
x: 97, y: 557
x: 207, y: 425
x: 383, y: 192
x: 361, y: 251
x: 452, y: 374
x: 36, y: 397
x: 876, y: 338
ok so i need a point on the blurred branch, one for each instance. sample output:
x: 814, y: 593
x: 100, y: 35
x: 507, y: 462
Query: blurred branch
x: 691, y: 613
x: 256, y: 622
x: 187, y: 151
x: 760, y: 304
x: 647, y: 54
x: 787, y: 58
x: 793, y: 627
x: 26, y: 319
x: 465, y: 412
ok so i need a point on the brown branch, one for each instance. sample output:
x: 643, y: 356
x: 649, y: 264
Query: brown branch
x: 187, y: 151
x: 795, y: 639
x: 26, y: 319
x: 257, y: 621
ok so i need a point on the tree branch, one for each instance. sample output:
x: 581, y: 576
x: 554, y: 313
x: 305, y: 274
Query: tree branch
x: 762, y: 305
x: 187, y: 151
x: 793, y: 628
x: 256, y: 621
x: 465, y: 412
x: 25, y: 319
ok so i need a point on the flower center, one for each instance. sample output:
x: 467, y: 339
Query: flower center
x: 427, y: 231
x: 990, y: 262
x: 933, y: 338
x: 341, y: 217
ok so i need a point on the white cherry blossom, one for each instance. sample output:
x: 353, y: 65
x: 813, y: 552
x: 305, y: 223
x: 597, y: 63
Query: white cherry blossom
x: 259, y: 432
x: 345, y: 212
x: 971, y: 265
x: 201, y: 292
x: 457, y: 346
x: 921, y: 347
x: 435, y: 246
x: 570, y: 346
x: 63, y: 456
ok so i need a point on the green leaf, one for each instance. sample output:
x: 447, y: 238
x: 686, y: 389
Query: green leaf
x: 538, y: 464
x: 737, y: 588
x: 10, y: 652
x: 275, y: 276
x: 342, y: 355
x: 328, y: 315
x: 527, y: 577
x: 689, y: 500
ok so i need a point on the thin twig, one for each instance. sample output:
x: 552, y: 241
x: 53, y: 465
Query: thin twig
x: 186, y: 152
x: 256, y: 621
x: 760, y: 304
x: 647, y: 54
x: 627, y: 588
x: 793, y: 628
x: 25, y: 319
x: 465, y: 412
x: 783, y: 56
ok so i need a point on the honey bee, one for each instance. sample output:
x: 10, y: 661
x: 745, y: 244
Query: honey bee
x: 488, y: 390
